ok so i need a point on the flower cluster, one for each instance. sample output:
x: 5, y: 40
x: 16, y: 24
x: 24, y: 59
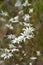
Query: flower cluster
x: 27, y: 29
x: 27, y: 33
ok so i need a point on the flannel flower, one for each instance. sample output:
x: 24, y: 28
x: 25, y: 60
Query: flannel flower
x: 23, y: 19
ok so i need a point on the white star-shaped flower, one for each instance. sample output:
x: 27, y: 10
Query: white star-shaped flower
x: 26, y: 3
x: 4, y: 13
x: 11, y: 36
x: 11, y: 46
x: 9, y: 26
x: 31, y: 10
x: 18, y: 4
x: 21, y: 12
x: 26, y: 17
x: 14, y: 20
x: 6, y: 55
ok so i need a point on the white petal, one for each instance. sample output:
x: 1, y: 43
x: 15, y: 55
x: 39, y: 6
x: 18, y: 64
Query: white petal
x: 33, y: 58
x: 38, y: 53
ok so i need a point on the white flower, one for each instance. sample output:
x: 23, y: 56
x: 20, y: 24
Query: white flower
x: 38, y: 53
x: 6, y: 55
x: 11, y: 36
x: 33, y: 58
x: 20, y: 38
x: 6, y: 50
x: 30, y: 63
x: 27, y: 24
x: 31, y: 28
x: 18, y: 4
x: 13, y: 50
x: 26, y: 17
x: 9, y: 26
x: 3, y: 55
x: 24, y: 54
x: 28, y: 33
x: 26, y: 3
x: 14, y: 41
x: 4, y: 13
x: 17, y: 40
x: 11, y: 46
x: 31, y: 10
x: 14, y: 20
x: 29, y: 36
x: 21, y: 12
